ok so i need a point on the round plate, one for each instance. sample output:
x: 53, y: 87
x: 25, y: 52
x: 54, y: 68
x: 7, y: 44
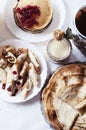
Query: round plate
x: 22, y: 44
x: 57, y: 22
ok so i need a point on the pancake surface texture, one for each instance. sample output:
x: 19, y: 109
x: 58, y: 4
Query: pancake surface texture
x: 64, y: 98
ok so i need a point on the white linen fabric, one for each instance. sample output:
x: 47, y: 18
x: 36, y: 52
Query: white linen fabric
x: 29, y: 115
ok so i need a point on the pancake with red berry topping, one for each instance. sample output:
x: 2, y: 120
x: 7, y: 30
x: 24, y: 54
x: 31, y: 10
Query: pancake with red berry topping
x: 33, y: 15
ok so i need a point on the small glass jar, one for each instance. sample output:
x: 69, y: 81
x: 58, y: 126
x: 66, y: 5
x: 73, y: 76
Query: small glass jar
x: 59, y: 51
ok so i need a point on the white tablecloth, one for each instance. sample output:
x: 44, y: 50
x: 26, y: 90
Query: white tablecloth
x: 29, y: 115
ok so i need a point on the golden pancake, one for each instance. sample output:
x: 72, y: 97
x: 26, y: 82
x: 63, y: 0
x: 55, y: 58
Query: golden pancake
x: 33, y: 15
x: 64, y: 98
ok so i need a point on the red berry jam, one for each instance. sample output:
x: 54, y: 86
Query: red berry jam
x: 14, y: 72
x: 9, y: 89
x: 28, y: 15
x: 3, y: 86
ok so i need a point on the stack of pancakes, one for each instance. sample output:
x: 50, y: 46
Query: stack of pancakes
x: 64, y: 98
x: 25, y: 10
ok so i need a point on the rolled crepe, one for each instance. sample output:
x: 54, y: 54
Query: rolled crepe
x: 33, y: 75
x: 27, y: 87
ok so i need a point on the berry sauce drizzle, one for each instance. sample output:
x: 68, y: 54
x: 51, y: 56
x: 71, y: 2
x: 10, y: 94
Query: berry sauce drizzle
x: 28, y: 15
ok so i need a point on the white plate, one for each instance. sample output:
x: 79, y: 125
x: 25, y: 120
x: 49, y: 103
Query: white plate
x: 57, y: 22
x: 22, y: 44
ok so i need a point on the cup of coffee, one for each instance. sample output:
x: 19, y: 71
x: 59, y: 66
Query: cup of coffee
x: 80, y: 22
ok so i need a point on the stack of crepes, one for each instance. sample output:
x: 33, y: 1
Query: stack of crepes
x: 64, y: 98
x: 33, y: 15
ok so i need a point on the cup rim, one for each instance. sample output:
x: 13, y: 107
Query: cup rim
x: 76, y: 29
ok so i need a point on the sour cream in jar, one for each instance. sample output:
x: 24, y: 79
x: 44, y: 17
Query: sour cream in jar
x: 59, y: 50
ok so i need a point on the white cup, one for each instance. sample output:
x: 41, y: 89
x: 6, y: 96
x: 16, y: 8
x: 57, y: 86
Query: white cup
x: 83, y: 8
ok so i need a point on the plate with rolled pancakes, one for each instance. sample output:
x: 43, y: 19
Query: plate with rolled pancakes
x: 64, y: 98
x: 23, y: 71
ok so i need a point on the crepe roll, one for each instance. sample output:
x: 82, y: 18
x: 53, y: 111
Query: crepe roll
x: 27, y: 87
x: 33, y: 75
x: 11, y: 58
x: 17, y: 66
x: 35, y: 61
x: 3, y: 76
x: 10, y: 87
x: 23, y: 74
x: 8, y: 48
x: 3, y: 63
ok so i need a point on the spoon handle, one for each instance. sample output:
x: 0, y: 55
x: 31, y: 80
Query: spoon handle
x: 80, y: 44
